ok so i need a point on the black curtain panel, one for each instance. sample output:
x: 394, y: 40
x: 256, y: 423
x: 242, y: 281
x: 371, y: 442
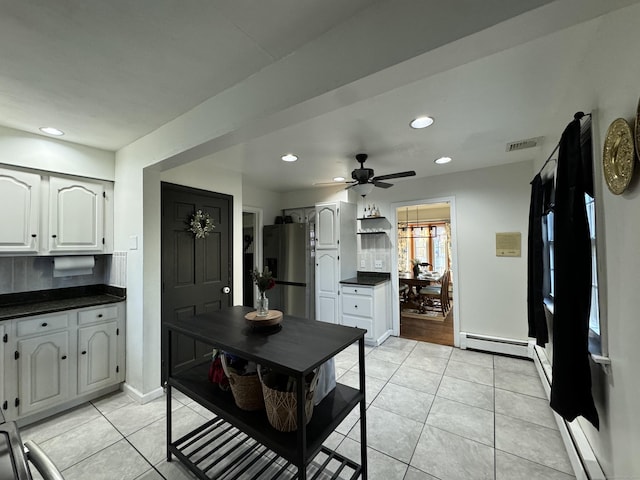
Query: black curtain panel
x: 571, y: 386
x: 535, y: 306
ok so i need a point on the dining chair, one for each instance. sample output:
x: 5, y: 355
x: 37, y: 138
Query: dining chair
x: 436, y: 296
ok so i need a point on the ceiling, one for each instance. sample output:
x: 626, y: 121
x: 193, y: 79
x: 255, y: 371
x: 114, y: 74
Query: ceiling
x: 108, y: 73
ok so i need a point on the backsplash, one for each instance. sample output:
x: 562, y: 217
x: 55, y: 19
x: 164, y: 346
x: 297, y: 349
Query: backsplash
x: 25, y: 274
x: 374, y: 253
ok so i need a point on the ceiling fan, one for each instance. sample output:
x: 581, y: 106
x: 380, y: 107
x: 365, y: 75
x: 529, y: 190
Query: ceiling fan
x: 364, y: 180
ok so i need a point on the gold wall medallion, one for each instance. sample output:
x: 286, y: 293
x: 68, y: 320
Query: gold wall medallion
x: 618, y: 156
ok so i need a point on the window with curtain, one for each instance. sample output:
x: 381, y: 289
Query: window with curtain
x: 415, y: 242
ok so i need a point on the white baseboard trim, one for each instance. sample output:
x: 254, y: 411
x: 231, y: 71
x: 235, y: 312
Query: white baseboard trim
x: 583, y: 460
x: 507, y: 346
x: 140, y: 397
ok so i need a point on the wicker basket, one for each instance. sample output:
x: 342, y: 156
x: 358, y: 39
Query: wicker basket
x: 281, y: 407
x: 246, y: 389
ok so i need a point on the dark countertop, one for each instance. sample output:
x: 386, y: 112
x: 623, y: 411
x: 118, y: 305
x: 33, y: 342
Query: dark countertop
x: 368, y: 279
x: 25, y: 304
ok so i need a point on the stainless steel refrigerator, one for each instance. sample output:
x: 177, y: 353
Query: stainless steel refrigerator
x: 289, y: 252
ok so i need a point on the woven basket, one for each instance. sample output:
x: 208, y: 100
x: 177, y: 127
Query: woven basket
x: 246, y: 389
x: 282, y: 407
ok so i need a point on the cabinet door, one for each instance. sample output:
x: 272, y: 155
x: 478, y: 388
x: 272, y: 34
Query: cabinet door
x: 76, y: 210
x: 44, y: 367
x: 327, y: 286
x: 327, y: 226
x: 19, y: 216
x: 98, y: 356
x: 4, y: 402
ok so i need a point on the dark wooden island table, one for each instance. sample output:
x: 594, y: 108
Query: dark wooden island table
x: 238, y: 444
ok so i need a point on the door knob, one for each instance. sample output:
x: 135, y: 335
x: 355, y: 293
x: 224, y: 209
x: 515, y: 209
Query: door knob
x: 226, y: 290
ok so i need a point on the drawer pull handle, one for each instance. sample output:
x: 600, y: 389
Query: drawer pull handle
x: 54, y: 236
x: 99, y: 315
x: 44, y: 324
x: 64, y: 357
x: 33, y: 235
x: 356, y: 306
x: 84, y: 352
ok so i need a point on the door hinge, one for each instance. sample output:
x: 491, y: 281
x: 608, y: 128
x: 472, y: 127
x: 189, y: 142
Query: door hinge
x: 17, y: 402
x: 117, y: 368
x: 16, y: 355
x: 117, y: 331
x: 5, y: 405
x: 5, y: 338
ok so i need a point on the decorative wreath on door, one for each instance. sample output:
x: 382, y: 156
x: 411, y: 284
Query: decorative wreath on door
x: 201, y: 224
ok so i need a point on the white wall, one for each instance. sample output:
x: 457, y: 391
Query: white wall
x: 607, y: 84
x: 492, y: 290
x: 53, y: 155
x: 268, y: 201
x: 311, y: 196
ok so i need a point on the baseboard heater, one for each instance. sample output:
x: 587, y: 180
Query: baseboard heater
x: 506, y: 346
x: 583, y: 459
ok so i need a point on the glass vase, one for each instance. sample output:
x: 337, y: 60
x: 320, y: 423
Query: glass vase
x: 262, y: 305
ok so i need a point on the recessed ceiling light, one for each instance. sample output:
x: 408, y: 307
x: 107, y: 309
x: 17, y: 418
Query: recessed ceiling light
x: 442, y: 160
x: 289, y: 157
x: 421, y: 122
x: 51, y: 131
x: 338, y: 179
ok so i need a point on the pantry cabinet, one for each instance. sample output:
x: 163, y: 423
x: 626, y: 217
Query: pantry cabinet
x: 55, y: 359
x: 54, y: 214
x: 20, y: 215
x: 335, y: 255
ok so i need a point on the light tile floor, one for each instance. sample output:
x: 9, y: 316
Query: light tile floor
x: 433, y: 412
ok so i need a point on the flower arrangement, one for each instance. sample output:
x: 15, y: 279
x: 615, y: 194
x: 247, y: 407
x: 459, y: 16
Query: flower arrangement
x: 201, y: 224
x: 264, y: 280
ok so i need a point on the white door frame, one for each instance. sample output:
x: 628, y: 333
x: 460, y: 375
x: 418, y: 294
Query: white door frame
x: 258, y: 223
x: 395, y: 284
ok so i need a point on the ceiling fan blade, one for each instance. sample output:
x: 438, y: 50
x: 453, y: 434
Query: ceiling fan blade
x: 409, y: 173
x: 382, y: 184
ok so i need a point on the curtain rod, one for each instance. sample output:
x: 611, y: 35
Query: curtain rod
x: 576, y: 116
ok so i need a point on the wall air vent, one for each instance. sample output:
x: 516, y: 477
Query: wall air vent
x: 522, y: 144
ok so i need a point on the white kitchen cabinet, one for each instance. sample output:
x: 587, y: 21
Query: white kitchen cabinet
x: 367, y: 307
x: 20, y: 214
x: 335, y: 235
x: 327, y: 307
x: 76, y: 215
x: 98, y: 339
x: 4, y: 402
x: 58, y: 359
x: 45, y: 367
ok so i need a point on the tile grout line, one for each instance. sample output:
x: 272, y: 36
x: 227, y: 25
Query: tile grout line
x: 132, y: 446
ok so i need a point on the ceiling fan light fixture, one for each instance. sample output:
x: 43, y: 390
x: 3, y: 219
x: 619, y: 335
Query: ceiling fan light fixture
x: 442, y: 160
x: 52, y: 131
x: 363, y: 188
x: 421, y: 122
x: 289, y: 157
x: 338, y: 179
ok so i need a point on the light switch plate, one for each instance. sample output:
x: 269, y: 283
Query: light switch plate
x: 363, y: 263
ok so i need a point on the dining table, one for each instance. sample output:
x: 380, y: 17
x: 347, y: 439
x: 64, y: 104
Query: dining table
x: 411, y: 297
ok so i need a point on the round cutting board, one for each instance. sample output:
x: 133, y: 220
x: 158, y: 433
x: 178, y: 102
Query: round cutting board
x: 274, y: 317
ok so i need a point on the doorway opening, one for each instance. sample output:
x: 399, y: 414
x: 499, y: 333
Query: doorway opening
x: 251, y: 252
x: 424, y: 240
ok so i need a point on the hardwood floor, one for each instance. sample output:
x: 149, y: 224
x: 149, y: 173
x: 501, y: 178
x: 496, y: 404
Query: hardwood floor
x: 426, y: 330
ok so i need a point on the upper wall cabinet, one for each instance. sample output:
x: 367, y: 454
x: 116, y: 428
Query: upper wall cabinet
x: 76, y: 215
x: 19, y: 217
x: 53, y: 215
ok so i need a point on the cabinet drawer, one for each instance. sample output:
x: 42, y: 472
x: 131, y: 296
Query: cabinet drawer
x: 356, y: 305
x: 97, y: 314
x: 359, y: 322
x: 356, y: 290
x: 42, y: 324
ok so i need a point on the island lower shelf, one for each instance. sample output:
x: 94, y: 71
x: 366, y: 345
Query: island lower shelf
x: 327, y: 415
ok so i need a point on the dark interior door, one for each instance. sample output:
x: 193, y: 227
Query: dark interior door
x: 196, y: 272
